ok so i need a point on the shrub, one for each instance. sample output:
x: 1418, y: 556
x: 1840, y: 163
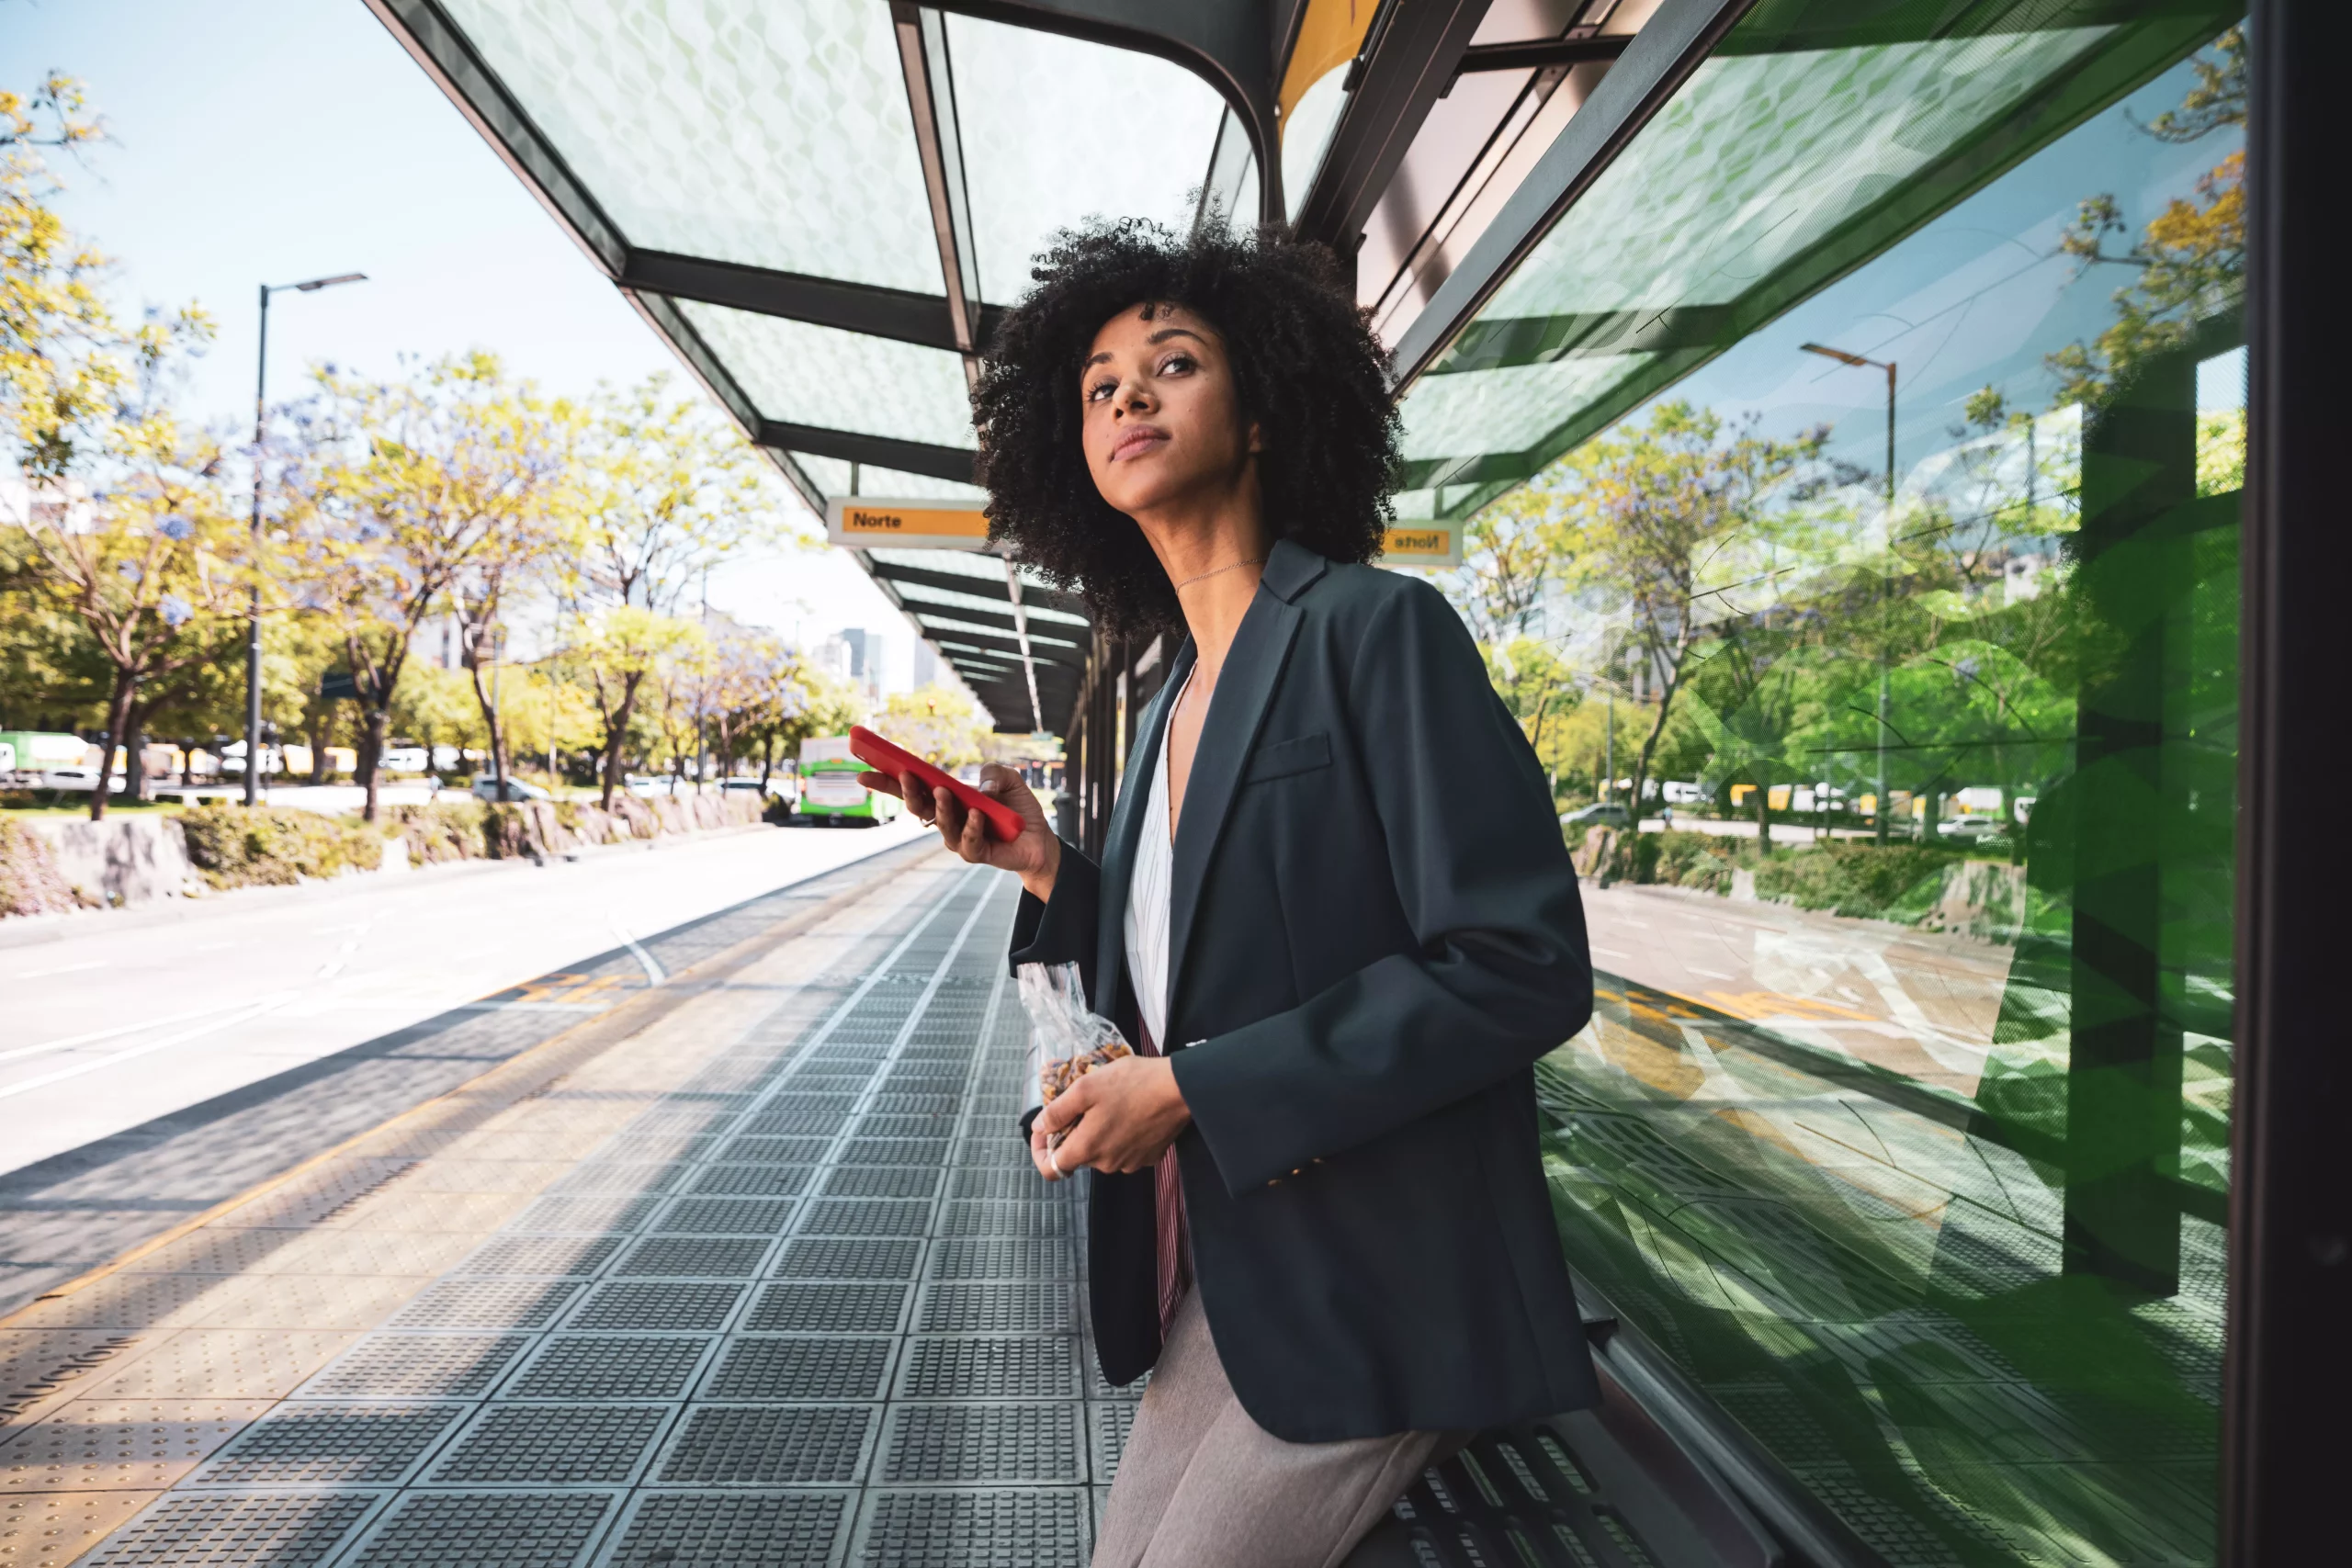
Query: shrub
x: 236, y: 846
x: 1900, y: 882
x: 443, y: 831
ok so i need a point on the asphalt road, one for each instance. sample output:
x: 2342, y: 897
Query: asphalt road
x: 112, y: 1019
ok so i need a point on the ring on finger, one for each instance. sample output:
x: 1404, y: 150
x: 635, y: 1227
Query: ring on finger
x: 1054, y: 1158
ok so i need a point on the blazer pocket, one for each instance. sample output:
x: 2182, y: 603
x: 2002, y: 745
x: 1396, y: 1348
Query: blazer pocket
x: 1284, y: 758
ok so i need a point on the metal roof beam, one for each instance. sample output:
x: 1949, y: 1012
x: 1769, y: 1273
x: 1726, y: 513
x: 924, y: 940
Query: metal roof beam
x: 957, y: 582
x: 939, y: 142
x: 880, y: 451
x: 1407, y: 61
x: 898, y: 313
x: 1677, y: 37
x: 1070, y: 659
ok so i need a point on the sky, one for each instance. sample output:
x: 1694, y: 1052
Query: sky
x: 274, y: 140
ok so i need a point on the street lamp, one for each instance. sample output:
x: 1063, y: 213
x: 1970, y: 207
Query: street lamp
x: 1859, y: 361
x: 252, y: 626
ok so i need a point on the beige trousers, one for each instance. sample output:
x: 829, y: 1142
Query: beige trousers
x: 1202, y: 1485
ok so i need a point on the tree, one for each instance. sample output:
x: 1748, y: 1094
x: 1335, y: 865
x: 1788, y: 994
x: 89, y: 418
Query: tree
x: 936, y: 723
x: 405, y: 492
x: 617, y: 651
x: 2189, y: 258
x: 151, y: 572
x: 1678, y: 516
x: 666, y: 489
x: 61, y: 368
x: 1507, y: 560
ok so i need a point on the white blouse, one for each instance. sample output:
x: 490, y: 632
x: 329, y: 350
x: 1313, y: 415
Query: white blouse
x: 1148, y: 898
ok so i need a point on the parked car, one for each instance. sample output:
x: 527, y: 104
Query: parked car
x: 651, y: 783
x: 486, y: 788
x: 1600, y: 814
x: 1967, y: 829
x: 77, y: 778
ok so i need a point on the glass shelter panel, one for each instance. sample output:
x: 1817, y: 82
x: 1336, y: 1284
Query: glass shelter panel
x: 804, y: 373
x: 771, y: 133
x: 1896, y: 530
x: 1041, y: 120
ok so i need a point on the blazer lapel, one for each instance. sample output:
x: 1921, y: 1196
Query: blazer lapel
x: 1125, y: 833
x: 1253, y: 668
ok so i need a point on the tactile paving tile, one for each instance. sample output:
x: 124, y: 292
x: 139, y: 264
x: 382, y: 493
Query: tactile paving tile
x: 893, y: 1151
x: 574, y: 1256
x: 688, y: 1256
x: 996, y: 1185
x: 656, y: 1146
x: 1110, y: 1420
x: 790, y: 1114
x: 1027, y: 1366
x: 624, y: 1176
x: 487, y: 1303
x: 363, y: 1251
x: 891, y: 1102
x: 800, y: 1367
x: 586, y: 1212
x: 727, y: 1216
x: 769, y: 1444
x: 226, y: 1363
x: 417, y: 1366
x: 851, y: 1257
x: 328, y: 1445
x: 484, y: 1175
x: 775, y: 1151
x: 867, y: 1216
x: 882, y: 1181
x: 306, y: 1301
x: 48, y: 1529
x: 687, y: 1118
x: 678, y: 1305
x: 935, y: 1124
x: 754, y: 1180
x: 210, y: 1251
x: 1030, y: 1527
x: 982, y: 1442
x: 723, y: 1531
x: 549, y: 1445
x: 1002, y: 1257
x: 1012, y: 1307
x: 608, y: 1367
x: 486, y: 1529
x: 1004, y: 1148
x: 200, y: 1531
x: 38, y: 1366
x: 126, y: 1301
x: 1046, y: 1217
x: 823, y: 1308
x: 121, y: 1444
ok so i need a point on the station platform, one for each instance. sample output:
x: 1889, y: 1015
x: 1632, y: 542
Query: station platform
x: 735, y: 1261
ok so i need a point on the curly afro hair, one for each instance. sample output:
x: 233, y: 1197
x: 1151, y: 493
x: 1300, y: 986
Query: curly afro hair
x: 1308, y: 368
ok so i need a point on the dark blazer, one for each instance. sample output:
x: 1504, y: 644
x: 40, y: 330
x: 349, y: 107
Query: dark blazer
x: 1375, y: 931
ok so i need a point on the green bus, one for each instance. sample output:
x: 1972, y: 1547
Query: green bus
x: 829, y: 792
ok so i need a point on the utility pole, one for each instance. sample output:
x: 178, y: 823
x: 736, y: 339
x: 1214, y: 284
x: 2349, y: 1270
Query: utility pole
x: 253, y: 612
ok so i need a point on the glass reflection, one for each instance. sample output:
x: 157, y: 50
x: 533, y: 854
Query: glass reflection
x: 1903, y: 614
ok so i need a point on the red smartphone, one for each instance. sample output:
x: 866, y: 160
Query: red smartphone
x: 1003, y: 822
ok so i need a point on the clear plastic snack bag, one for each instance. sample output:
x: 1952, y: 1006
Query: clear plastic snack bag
x: 1067, y: 1037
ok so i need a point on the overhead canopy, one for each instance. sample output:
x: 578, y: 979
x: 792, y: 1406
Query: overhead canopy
x: 825, y: 205
x: 1796, y: 150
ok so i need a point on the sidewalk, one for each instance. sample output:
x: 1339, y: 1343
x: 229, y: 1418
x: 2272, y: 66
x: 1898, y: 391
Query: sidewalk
x: 749, y: 1270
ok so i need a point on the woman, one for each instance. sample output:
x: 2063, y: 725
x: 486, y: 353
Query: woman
x: 1333, y: 882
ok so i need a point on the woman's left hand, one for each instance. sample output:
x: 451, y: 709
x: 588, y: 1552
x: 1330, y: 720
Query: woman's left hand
x: 1122, y: 1116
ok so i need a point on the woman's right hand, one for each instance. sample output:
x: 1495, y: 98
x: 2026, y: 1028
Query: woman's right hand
x: 1036, y: 856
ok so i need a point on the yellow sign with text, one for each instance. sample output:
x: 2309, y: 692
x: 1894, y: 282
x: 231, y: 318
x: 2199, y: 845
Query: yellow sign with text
x: 858, y: 522
x: 1423, y: 543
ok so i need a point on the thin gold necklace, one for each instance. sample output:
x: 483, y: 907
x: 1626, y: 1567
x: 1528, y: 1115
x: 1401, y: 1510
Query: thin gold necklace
x: 1213, y: 571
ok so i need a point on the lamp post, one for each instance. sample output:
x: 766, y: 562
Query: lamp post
x: 1857, y: 361
x: 252, y: 623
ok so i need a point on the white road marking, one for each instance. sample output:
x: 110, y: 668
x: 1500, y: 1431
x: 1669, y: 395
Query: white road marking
x: 244, y: 1014
x: 653, y: 974
x: 69, y: 1042
x: 61, y: 969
